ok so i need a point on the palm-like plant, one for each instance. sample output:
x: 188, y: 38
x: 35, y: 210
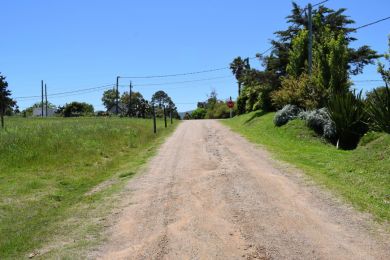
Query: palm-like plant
x: 348, y: 114
x: 378, y: 109
x: 238, y: 67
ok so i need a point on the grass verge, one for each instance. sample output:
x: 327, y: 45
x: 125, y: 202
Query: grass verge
x: 361, y: 176
x: 59, y: 177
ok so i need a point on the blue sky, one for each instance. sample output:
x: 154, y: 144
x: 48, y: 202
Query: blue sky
x: 75, y: 45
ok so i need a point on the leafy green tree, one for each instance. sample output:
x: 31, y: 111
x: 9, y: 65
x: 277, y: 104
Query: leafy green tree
x: 199, y: 113
x: 134, y: 104
x: 323, y: 17
x: 75, y: 109
x: 238, y: 67
x: 109, y: 98
x: 330, y: 62
x: 161, y: 99
x: 6, y: 102
x: 298, y: 54
x: 258, y: 86
x: 299, y: 91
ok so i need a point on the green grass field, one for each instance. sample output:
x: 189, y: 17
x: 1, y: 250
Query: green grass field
x: 49, y: 166
x: 361, y: 176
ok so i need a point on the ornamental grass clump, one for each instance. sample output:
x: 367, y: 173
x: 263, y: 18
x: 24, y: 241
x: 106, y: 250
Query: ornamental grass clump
x: 347, y: 112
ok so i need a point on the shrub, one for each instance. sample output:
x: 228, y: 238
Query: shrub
x: 287, y: 113
x: 298, y: 91
x: 347, y: 113
x: 241, y: 101
x: 320, y: 122
x: 378, y: 109
x: 218, y: 110
x: 199, y: 113
x: 75, y: 109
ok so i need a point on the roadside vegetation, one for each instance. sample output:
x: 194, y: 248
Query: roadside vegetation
x: 212, y: 108
x: 311, y: 116
x: 54, y: 171
x: 361, y: 176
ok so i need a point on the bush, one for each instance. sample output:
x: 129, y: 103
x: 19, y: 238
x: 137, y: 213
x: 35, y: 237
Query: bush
x: 287, y: 113
x: 218, y: 110
x: 241, y: 101
x: 347, y: 113
x: 378, y: 109
x: 300, y: 91
x: 75, y: 109
x: 320, y: 122
x: 199, y: 113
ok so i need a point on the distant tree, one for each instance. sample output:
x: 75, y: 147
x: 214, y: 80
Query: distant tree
x: 199, y: 113
x: 238, y: 67
x: 17, y: 110
x: 109, y: 98
x: 6, y: 102
x: 160, y: 98
x: 75, y: 109
x: 137, y: 104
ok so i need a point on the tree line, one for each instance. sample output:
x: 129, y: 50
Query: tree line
x: 132, y: 105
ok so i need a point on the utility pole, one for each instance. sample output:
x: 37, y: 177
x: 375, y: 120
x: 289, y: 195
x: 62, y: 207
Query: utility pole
x: 310, y: 45
x: 117, y: 96
x: 165, y: 117
x: 42, y: 98
x: 131, y: 86
x: 154, y: 120
x: 46, y: 99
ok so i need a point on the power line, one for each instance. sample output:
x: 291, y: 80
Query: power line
x: 320, y: 3
x: 79, y: 91
x: 368, y: 80
x: 187, y: 73
x: 174, y: 75
x: 372, y: 23
x: 262, y: 53
x: 179, y: 82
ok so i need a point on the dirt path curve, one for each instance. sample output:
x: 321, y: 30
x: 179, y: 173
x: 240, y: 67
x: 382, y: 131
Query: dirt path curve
x: 209, y: 194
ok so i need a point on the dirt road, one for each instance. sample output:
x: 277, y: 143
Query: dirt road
x: 209, y: 194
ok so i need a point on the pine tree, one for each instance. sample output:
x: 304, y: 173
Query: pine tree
x: 6, y: 102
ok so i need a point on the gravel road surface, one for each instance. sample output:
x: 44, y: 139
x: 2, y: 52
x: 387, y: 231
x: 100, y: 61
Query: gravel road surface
x: 210, y: 194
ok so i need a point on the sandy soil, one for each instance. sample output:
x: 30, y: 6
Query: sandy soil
x: 210, y: 194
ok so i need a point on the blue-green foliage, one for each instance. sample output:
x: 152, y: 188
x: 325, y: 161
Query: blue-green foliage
x: 320, y: 122
x: 287, y: 113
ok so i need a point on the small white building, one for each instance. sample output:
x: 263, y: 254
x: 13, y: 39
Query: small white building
x: 37, y: 111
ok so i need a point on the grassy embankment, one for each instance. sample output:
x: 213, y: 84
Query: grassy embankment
x: 48, y: 168
x: 361, y: 176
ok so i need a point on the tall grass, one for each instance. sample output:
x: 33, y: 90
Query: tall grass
x: 47, y: 166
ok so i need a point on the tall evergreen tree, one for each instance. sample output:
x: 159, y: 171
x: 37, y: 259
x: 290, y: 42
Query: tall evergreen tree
x: 323, y: 17
x: 6, y: 102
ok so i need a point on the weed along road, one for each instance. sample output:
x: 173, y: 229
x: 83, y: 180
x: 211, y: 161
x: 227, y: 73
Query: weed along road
x: 210, y: 194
